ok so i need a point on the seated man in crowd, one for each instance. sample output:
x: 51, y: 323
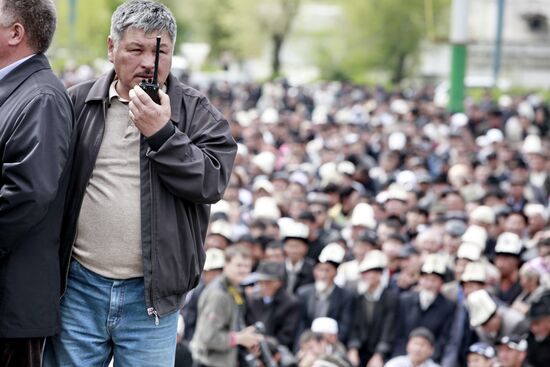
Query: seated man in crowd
x: 491, y: 320
x: 324, y: 298
x: 426, y: 307
x: 299, y: 268
x: 376, y: 306
x: 273, y: 305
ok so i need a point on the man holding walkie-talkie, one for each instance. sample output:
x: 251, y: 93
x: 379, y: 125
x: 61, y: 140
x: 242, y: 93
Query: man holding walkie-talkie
x: 145, y: 173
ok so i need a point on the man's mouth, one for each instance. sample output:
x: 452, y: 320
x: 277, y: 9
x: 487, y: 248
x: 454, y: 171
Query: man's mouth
x: 145, y: 76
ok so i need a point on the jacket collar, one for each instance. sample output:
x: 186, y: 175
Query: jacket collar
x: 21, y: 73
x: 100, y: 92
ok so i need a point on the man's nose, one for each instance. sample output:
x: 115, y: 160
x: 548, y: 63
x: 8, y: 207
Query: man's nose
x: 148, y: 61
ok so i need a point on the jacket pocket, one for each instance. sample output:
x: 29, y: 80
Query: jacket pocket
x: 178, y: 250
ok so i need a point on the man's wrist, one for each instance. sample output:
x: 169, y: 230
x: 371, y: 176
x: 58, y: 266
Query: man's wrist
x: 233, y: 339
x: 156, y: 140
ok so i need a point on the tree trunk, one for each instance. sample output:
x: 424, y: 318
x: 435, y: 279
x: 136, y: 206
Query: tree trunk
x: 276, y: 56
x: 399, y: 70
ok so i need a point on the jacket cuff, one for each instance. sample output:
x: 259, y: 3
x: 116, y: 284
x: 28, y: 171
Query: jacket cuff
x: 354, y: 344
x: 383, y: 348
x: 156, y: 140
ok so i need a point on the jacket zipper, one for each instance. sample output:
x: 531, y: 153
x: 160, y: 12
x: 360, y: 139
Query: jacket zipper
x: 152, y: 311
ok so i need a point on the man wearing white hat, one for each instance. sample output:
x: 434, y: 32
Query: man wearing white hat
x: 427, y: 307
x: 324, y: 298
x: 298, y: 268
x: 467, y: 252
x: 327, y: 328
x: 484, y: 216
x: 376, y: 306
x: 508, y: 261
x: 474, y: 277
x: 219, y: 235
x: 491, y: 321
x: 348, y: 272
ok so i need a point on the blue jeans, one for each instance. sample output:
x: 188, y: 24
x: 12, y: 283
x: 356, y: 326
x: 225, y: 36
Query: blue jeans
x: 102, y: 318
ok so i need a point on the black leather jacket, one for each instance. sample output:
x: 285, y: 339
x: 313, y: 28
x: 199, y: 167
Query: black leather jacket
x: 36, y: 130
x: 184, y: 168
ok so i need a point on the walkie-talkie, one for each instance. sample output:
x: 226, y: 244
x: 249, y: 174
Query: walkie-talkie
x: 151, y: 86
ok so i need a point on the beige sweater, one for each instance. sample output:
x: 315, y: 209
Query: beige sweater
x: 109, y: 225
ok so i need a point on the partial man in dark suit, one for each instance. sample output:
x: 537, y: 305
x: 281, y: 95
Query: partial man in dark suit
x: 273, y: 305
x: 376, y: 306
x: 36, y: 129
x: 324, y: 298
x: 538, y: 340
x: 426, y: 307
x: 298, y: 267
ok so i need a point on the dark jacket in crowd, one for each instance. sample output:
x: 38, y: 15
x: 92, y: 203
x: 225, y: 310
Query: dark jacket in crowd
x: 341, y: 307
x: 304, y: 276
x: 190, y: 311
x: 184, y: 167
x: 438, y: 318
x: 508, y: 296
x: 280, y: 317
x: 538, y: 352
x: 36, y: 129
x: 375, y: 335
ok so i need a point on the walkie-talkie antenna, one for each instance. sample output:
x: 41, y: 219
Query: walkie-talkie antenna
x: 156, y: 71
x: 151, y: 86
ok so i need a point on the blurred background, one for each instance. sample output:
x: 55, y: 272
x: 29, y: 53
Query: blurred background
x: 390, y: 42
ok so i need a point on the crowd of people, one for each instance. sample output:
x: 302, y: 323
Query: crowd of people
x: 363, y: 227
x: 342, y: 225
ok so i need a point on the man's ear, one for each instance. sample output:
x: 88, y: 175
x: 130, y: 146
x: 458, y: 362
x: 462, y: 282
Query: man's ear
x: 110, y: 48
x: 17, y: 34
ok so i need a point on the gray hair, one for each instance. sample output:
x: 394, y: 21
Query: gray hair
x: 149, y: 16
x: 38, y: 17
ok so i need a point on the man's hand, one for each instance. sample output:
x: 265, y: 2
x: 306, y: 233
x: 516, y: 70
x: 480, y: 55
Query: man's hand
x: 248, y: 338
x: 148, y: 116
x: 353, y: 356
x: 376, y: 361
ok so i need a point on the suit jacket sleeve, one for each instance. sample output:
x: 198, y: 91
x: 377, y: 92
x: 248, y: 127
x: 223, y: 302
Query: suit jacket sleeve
x: 387, y: 336
x: 195, y: 165
x: 401, y: 330
x: 34, y: 158
x: 347, y: 309
x: 291, y: 315
x: 445, y: 335
x: 358, y: 329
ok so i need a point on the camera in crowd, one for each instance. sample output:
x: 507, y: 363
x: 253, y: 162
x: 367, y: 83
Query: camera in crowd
x: 265, y: 358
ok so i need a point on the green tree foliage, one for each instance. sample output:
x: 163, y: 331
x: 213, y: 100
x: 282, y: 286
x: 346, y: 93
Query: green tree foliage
x: 85, y: 39
x: 371, y: 35
x: 382, y: 35
x: 242, y: 27
x: 275, y: 17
